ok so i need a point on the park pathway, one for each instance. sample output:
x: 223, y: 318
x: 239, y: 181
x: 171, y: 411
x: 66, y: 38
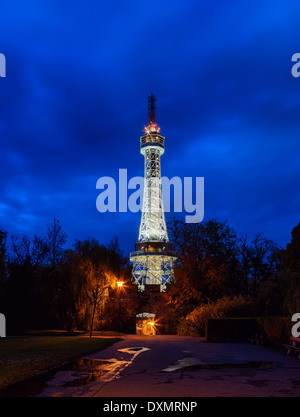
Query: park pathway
x: 174, y: 366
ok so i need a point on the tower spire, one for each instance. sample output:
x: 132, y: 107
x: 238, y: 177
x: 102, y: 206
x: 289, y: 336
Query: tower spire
x: 152, y: 125
x: 151, y: 109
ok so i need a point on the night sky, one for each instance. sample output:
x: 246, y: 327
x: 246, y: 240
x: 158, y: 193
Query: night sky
x: 74, y: 104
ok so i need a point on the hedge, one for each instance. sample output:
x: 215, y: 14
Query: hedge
x: 231, y: 329
x: 275, y: 331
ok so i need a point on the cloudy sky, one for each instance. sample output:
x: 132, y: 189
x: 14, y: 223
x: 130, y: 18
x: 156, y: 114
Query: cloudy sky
x: 74, y: 104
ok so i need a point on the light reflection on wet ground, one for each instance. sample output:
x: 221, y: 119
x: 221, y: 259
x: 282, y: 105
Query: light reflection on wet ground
x: 87, y: 370
x: 80, y: 372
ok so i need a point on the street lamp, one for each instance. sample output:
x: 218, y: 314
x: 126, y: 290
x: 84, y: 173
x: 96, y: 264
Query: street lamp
x: 120, y: 286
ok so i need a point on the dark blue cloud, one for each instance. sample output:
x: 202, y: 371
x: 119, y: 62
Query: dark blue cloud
x: 74, y: 104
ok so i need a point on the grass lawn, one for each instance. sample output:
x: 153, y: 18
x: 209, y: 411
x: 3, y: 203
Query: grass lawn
x: 21, y: 358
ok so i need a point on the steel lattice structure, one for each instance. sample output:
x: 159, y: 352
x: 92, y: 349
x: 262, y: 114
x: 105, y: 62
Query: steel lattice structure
x: 153, y: 257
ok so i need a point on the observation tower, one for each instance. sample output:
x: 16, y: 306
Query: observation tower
x: 153, y: 257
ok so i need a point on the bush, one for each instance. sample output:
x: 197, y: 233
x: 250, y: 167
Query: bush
x: 187, y: 328
x: 276, y: 330
x: 195, y: 322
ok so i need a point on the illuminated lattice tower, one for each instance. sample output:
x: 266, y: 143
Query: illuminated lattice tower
x: 153, y: 257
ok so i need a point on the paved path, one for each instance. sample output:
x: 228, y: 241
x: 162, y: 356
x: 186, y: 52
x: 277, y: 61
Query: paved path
x: 173, y: 366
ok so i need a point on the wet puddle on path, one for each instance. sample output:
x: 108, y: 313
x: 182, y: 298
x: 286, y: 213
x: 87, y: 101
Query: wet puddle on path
x: 80, y: 372
x: 190, y: 364
x: 86, y: 370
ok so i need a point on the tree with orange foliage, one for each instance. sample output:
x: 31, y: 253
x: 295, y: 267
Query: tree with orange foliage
x: 97, y: 264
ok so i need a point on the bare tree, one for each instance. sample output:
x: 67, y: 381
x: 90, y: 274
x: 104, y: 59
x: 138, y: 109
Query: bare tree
x: 28, y: 252
x: 258, y: 261
x: 55, y: 240
x: 245, y: 262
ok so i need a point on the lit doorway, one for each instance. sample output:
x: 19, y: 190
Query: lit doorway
x: 145, y: 324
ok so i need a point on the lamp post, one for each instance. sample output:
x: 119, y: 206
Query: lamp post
x: 119, y: 286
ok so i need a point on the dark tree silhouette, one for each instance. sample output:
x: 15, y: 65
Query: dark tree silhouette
x: 258, y: 260
x: 206, y: 263
x: 55, y: 239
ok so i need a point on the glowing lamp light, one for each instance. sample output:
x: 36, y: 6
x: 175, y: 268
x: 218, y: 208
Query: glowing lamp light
x: 152, y: 127
x: 120, y: 284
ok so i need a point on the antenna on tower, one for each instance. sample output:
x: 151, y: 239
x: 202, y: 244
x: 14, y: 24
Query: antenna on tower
x: 151, y: 108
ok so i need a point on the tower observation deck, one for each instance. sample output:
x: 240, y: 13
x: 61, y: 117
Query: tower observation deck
x: 153, y: 257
